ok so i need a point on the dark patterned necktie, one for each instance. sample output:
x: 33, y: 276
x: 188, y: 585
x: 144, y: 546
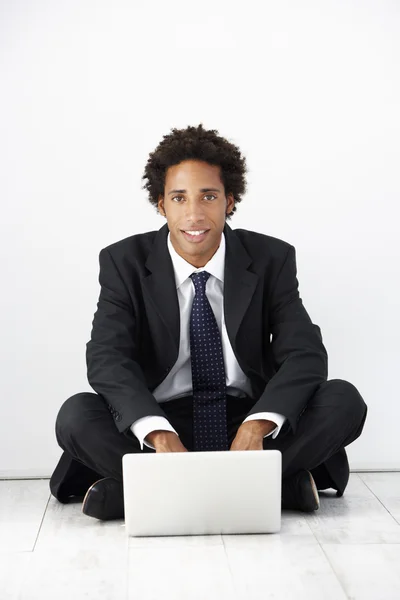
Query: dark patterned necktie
x: 208, y: 373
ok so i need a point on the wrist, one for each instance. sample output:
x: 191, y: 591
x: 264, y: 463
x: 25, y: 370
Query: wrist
x: 159, y: 436
x: 258, y: 427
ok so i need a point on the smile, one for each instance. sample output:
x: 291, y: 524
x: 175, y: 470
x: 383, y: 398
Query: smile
x: 194, y: 237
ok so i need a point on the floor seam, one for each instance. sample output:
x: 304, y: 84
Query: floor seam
x: 380, y: 501
x: 41, y: 522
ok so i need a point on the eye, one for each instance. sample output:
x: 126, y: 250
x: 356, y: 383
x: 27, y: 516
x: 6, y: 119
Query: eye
x: 207, y: 196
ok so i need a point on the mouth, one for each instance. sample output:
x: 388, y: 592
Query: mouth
x: 195, y: 238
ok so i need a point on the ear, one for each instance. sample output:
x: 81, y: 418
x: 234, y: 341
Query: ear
x: 230, y: 203
x: 161, y: 205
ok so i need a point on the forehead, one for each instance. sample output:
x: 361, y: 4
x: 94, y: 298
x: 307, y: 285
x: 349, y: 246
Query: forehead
x: 192, y: 170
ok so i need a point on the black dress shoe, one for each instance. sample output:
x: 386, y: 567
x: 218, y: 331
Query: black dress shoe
x: 299, y: 492
x: 104, y: 500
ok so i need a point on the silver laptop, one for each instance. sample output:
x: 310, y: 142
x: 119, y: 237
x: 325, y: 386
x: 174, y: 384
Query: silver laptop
x: 201, y: 493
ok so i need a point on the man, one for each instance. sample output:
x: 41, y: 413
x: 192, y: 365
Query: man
x: 201, y: 342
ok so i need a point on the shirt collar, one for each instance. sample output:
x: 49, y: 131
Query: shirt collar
x: 183, y: 269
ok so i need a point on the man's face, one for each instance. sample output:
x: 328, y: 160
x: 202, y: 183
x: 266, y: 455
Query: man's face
x: 194, y: 198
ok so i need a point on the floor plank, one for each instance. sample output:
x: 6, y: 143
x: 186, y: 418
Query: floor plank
x: 78, y: 572
x: 356, y: 518
x: 367, y: 571
x: 191, y: 572
x: 294, y: 523
x: 22, y: 506
x: 283, y: 567
x: 66, y: 526
x: 386, y: 487
x: 77, y: 556
x: 13, y: 571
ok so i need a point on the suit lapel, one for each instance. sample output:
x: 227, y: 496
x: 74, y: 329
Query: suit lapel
x: 239, y: 285
x: 161, y: 288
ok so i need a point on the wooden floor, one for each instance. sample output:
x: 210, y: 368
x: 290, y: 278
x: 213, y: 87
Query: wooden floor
x: 349, y: 548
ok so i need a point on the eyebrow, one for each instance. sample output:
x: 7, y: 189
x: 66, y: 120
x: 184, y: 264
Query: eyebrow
x: 201, y: 190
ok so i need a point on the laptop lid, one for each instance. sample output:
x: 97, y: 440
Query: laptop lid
x: 200, y: 493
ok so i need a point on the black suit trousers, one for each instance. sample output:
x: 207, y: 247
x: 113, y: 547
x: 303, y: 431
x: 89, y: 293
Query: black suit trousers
x: 93, y: 447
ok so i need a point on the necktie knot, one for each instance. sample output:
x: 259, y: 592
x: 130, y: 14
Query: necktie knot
x: 200, y: 280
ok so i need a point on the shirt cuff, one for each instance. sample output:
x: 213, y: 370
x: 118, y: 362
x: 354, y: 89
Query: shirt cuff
x: 269, y: 416
x: 146, y: 425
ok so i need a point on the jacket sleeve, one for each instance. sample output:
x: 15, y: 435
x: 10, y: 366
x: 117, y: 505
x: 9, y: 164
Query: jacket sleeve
x: 113, y: 370
x: 299, y: 357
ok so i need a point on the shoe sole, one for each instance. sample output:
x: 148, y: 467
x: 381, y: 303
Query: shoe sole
x: 314, y: 489
x: 85, y: 499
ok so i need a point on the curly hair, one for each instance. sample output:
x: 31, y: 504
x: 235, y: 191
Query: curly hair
x: 196, y: 143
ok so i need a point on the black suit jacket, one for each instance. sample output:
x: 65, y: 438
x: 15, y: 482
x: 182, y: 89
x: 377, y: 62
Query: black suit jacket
x: 135, y: 334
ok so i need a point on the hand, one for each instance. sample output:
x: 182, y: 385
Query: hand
x: 250, y: 435
x: 168, y: 442
x: 244, y: 440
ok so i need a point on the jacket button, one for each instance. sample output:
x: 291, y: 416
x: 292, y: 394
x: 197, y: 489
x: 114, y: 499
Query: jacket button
x: 118, y: 418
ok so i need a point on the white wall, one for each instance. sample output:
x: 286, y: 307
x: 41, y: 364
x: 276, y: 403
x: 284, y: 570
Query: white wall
x: 309, y: 91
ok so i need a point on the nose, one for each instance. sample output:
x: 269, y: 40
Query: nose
x: 194, y: 213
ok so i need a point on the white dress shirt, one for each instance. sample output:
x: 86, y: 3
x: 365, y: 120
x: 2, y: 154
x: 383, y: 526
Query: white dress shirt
x: 178, y: 382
